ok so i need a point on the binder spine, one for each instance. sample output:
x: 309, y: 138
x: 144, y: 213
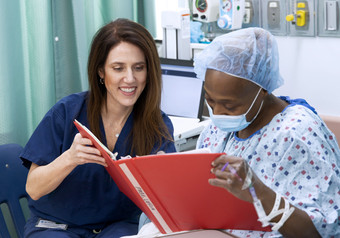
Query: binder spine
x: 163, y: 224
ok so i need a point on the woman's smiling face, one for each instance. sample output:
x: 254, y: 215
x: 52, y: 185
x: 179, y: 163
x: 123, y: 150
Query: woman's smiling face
x: 124, y: 74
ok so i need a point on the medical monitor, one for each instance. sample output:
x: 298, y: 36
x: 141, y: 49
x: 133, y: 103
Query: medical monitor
x: 182, y: 92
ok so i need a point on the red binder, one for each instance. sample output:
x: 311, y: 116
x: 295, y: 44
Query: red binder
x: 173, y: 191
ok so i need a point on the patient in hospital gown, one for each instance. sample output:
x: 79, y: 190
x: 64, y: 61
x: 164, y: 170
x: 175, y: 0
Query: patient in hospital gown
x: 295, y: 155
x: 279, y: 154
x: 283, y: 142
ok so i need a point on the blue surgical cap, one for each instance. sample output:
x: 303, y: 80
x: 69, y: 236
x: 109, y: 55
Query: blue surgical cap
x: 249, y: 53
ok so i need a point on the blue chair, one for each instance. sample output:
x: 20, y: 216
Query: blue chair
x: 13, y: 197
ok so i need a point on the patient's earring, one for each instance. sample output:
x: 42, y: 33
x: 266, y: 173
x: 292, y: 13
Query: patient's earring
x: 101, y: 81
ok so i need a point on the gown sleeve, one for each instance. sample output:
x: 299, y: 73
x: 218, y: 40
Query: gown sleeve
x: 307, y: 173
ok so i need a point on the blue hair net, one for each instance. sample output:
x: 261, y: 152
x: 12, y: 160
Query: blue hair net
x: 249, y: 53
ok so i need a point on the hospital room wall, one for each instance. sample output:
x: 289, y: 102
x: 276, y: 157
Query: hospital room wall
x: 309, y: 65
x: 311, y: 70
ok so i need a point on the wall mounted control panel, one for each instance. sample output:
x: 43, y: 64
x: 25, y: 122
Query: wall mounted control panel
x: 281, y: 17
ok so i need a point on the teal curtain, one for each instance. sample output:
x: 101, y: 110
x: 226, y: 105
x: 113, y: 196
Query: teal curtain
x: 43, y: 54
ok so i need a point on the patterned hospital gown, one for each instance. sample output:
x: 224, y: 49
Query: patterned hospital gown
x: 295, y: 155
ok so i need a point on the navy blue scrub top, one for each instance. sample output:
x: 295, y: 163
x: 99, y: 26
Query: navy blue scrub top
x: 88, y: 196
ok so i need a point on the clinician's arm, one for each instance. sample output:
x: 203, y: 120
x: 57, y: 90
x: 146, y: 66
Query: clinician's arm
x: 298, y: 224
x: 42, y: 180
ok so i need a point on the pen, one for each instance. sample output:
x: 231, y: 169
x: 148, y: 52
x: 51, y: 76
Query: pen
x: 232, y: 170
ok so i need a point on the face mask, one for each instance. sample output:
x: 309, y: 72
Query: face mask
x: 229, y: 123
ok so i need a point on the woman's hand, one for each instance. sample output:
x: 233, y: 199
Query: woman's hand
x: 298, y: 224
x: 231, y: 172
x: 82, y: 151
x: 42, y: 180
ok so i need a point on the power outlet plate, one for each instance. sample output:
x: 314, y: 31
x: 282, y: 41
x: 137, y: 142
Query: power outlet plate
x: 273, y: 16
x: 329, y: 20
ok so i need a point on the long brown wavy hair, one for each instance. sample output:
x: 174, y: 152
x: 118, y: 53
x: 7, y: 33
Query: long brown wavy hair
x: 149, y: 128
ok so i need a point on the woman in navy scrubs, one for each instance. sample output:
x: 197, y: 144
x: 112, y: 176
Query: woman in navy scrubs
x: 72, y: 195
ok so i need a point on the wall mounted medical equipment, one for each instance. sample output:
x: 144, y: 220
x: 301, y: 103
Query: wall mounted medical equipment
x: 176, y: 34
x: 248, y: 12
x: 231, y: 14
x: 205, y: 10
x: 251, y: 16
x: 281, y: 17
x: 301, y: 17
x: 328, y: 18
